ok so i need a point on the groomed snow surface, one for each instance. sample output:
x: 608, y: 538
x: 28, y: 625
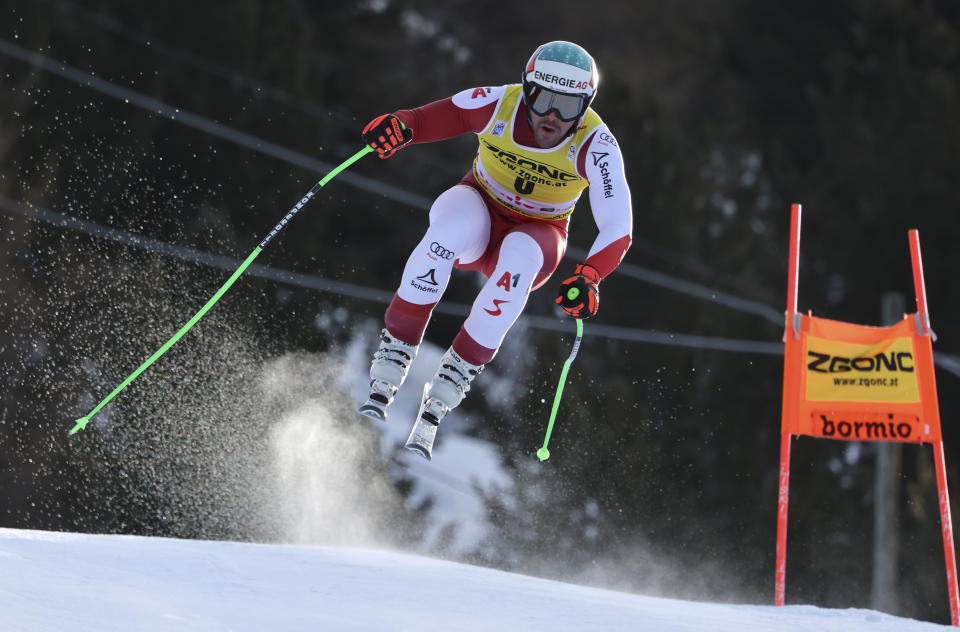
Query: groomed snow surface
x: 76, y: 582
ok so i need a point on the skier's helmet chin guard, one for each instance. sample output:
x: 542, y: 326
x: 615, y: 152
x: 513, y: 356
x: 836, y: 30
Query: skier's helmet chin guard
x: 562, y: 77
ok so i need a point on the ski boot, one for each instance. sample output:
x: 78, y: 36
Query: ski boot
x: 387, y: 371
x: 441, y: 395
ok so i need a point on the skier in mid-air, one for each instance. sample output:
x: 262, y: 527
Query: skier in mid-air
x: 541, y: 145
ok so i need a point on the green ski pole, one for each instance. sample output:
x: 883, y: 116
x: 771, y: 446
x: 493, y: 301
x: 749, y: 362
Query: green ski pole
x: 543, y: 453
x: 83, y: 421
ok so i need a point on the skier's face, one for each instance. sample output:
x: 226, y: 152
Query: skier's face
x: 548, y: 130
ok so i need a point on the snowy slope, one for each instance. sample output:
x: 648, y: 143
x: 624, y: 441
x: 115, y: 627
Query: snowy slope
x: 57, y: 581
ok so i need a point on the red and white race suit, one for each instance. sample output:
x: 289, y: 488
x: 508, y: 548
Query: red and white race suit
x: 508, y: 216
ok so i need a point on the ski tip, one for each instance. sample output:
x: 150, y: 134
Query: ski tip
x: 372, y: 412
x: 543, y: 454
x: 419, y: 449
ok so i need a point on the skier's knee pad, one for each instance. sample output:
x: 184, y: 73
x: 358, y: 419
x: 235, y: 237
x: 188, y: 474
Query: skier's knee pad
x: 520, y: 254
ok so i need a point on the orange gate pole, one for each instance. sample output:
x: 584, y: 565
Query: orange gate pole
x: 946, y: 521
x: 783, y: 500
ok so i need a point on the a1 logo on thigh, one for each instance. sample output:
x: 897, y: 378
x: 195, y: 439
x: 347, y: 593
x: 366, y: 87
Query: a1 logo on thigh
x: 508, y: 280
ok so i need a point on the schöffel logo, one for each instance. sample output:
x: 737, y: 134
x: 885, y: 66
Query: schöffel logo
x: 428, y: 277
x: 429, y: 280
x: 604, y: 172
x: 576, y: 84
x: 440, y: 251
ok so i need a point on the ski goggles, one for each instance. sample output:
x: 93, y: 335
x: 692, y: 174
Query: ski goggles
x: 568, y: 107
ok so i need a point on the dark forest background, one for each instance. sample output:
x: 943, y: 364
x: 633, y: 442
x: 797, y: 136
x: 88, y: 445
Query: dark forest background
x: 726, y: 111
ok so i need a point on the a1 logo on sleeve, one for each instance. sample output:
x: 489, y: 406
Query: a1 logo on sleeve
x: 473, y: 98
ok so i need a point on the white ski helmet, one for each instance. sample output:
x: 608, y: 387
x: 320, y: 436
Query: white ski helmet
x: 560, y: 76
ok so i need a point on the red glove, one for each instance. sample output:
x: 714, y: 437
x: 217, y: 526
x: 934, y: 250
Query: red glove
x: 386, y: 134
x: 579, y: 296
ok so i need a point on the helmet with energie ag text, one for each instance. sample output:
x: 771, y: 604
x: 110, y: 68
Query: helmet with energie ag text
x: 560, y: 76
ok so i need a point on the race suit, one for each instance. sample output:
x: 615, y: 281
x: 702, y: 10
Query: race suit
x: 508, y: 216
